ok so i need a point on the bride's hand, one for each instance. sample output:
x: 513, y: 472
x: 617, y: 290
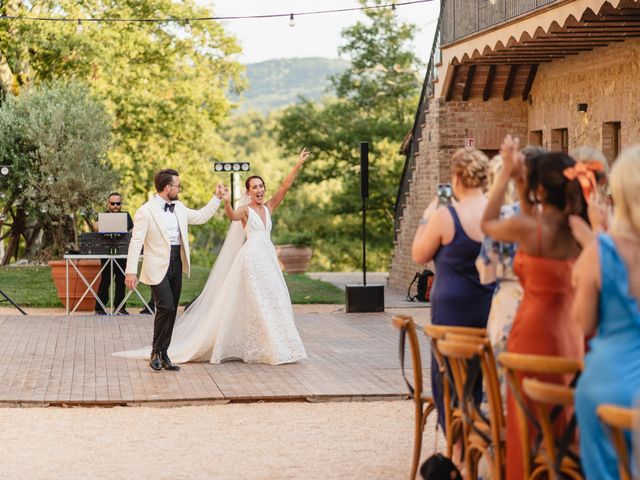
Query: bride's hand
x: 304, y: 154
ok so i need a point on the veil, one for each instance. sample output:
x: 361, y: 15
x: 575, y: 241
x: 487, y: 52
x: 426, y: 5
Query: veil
x: 196, y: 321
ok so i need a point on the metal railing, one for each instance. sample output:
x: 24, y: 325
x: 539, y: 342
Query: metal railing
x: 465, y: 17
x: 404, y: 189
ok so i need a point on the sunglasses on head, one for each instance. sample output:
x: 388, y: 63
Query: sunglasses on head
x: 115, y: 203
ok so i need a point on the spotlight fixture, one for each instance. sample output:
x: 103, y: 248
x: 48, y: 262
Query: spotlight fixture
x: 231, y: 167
x: 582, y: 107
x: 4, y: 170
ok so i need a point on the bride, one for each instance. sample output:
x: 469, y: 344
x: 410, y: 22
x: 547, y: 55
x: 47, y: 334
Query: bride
x: 244, y: 311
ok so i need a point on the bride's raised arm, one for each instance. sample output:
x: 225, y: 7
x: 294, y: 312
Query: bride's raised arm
x: 276, y: 200
x: 235, y: 215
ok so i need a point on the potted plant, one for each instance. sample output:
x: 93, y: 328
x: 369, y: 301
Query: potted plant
x: 294, y: 251
x: 54, y: 140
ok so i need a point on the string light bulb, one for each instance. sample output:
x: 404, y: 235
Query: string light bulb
x: 292, y: 21
x: 394, y: 10
x: 79, y: 27
x: 187, y: 26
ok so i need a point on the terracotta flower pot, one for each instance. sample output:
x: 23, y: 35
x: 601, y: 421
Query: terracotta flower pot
x: 294, y: 259
x: 89, y: 269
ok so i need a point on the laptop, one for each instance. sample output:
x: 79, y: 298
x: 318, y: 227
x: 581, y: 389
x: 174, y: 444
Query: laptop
x: 112, y: 222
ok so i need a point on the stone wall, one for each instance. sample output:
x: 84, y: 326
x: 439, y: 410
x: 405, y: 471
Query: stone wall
x: 605, y: 79
x: 447, y: 126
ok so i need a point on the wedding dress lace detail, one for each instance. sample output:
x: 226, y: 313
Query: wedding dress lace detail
x: 249, y: 315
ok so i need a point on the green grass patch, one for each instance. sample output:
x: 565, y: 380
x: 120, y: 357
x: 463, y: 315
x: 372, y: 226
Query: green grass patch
x: 33, y: 287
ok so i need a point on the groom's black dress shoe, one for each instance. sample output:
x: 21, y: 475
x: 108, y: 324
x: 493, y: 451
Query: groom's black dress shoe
x: 166, y: 363
x: 155, y: 363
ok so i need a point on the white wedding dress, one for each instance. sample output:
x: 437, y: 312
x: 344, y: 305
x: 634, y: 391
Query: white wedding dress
x: 244, y: 311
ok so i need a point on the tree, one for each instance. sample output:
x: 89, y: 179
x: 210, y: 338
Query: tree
x: 55, y: 139
x: 165, y: 89
x: 374, y: 102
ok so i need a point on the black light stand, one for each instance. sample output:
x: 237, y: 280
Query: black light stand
x: 233, y: 168
x: 364, y: 298
x: 4, y: 171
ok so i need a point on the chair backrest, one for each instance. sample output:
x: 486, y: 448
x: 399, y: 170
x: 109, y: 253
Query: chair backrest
x: 407, y: 329
x: 515, y: 365
x: 618, y: 420
x: 460, y: 350
x: 544, y: 396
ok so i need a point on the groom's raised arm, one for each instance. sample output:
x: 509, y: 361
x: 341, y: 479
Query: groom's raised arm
x: 198, y: 217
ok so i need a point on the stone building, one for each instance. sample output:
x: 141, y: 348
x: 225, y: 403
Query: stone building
x: 555, y: 73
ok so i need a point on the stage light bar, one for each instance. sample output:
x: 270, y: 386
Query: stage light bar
x: 231, y: 166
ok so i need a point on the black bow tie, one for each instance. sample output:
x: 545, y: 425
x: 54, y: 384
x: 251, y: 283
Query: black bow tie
x: 169, y: 206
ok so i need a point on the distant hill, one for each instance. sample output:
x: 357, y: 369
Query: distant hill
x: 277, y: 83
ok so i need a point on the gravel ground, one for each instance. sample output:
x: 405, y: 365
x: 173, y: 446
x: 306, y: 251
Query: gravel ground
x: 338, y: 440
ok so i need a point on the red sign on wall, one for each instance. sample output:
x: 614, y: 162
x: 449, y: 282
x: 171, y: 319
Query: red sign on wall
x: 469, y: 142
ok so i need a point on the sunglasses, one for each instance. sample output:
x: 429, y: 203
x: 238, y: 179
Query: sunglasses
x: 115, y: 203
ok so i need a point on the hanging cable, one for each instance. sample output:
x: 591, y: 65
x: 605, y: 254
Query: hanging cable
x: 185, y: 21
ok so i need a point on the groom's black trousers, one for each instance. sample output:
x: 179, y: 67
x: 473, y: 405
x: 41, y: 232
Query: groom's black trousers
x: 166, y: 295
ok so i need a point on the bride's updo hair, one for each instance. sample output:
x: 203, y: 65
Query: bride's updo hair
x: 247, y: 182
x: 471, y: 166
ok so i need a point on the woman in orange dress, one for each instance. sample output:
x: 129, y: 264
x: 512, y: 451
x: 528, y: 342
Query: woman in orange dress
x: 546, y: 253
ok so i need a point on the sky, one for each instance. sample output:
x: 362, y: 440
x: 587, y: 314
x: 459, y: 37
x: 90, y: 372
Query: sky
x: 312, y: 36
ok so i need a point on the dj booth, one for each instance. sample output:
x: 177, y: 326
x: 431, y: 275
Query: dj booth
x: 101, y: 246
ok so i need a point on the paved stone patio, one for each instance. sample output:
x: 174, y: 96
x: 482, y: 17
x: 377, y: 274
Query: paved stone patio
x: 59, y: 360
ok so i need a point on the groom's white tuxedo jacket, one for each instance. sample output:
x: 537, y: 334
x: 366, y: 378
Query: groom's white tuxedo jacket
x: 150, y: 231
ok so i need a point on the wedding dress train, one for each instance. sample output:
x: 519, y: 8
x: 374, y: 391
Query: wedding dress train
x: 244, y: 311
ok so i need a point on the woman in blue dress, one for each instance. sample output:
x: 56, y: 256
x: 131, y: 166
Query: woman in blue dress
x: 607, y: 281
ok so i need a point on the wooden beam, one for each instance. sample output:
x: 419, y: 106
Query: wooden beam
x: 466, y: 92
x: 486, y: 93
x: 509, y: 85
x: 452, y: 84
x: 530, y: 78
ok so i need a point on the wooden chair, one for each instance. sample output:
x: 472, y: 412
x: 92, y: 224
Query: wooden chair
x: 618, y: 420
x: 424, y: 405
x: 545, y: 396
x: 484, y: 437
x: 452, y: 412
x: 515, y: 366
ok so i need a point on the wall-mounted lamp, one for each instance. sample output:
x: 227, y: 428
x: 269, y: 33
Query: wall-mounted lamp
x: 582, y: 107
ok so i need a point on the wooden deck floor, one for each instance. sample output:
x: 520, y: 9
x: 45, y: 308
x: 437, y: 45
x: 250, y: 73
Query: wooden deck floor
x: 60, y: 360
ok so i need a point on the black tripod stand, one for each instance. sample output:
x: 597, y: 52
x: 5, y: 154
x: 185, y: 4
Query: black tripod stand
x: 8, y: 299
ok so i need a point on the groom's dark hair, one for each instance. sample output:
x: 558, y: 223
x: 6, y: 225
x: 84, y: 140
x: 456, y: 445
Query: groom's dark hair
x: 164, y: 178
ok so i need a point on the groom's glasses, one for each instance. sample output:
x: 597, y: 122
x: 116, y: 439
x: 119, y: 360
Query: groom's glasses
x: 178, y: 185
x: 115, y: 203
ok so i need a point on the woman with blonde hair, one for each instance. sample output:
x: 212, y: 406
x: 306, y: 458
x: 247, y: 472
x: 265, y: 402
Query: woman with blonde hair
x: 450, y: 235
x: 607, y: 282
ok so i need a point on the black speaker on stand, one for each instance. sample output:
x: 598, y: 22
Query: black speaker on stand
x: 363, y: 297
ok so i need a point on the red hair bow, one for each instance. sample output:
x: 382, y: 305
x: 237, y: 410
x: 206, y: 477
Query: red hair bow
x: 585, y: 172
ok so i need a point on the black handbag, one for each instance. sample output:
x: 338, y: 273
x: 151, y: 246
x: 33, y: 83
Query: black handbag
x: 439, y: 467
x: 425, y: 281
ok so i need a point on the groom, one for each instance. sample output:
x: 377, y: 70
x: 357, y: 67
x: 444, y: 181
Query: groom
x: 160, y: 225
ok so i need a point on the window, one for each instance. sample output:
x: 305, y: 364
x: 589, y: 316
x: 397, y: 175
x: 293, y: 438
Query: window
x: 560, y: 140
x: 535, y: 137
x: 611, y: 142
